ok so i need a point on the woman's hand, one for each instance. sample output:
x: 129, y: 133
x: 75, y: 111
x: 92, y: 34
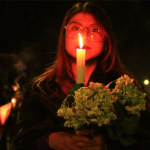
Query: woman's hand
x: 95, y: 143
x: 67, y: 141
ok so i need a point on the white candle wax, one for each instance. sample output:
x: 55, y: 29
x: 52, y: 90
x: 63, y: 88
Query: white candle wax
x: 81, y: 66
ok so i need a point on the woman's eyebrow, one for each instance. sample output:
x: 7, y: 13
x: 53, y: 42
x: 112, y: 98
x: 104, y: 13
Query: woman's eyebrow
x: 93, y: 24
x: 75, y: 22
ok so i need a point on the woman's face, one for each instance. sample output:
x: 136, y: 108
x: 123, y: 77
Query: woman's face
x: 93, y: 47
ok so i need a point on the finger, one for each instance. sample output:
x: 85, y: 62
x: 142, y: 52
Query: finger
x: 83, y: 144
x: 97, y: 139
x: 93, y: 148
x: 85, y: 132
x: 98, y: 136
x: 73, y: 146
x: 64, y: 148
x: 79, y: 138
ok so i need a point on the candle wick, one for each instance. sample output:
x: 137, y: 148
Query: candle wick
x: 80, y: 41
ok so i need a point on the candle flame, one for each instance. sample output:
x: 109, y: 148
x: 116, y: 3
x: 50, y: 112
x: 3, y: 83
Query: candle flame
x: 14, y: 88
x: 80, y: 41
x: 13, y: 100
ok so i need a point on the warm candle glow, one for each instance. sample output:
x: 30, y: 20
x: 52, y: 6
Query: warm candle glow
x: 80, y: 62
x: 14, y: 88
x: 13, y: 100
x: 80, y: 41
x: 5, y: 112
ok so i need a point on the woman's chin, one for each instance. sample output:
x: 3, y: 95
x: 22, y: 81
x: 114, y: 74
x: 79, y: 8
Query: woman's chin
x: 91, y: 60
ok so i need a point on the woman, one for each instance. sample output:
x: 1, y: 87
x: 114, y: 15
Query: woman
x: 39, y: 127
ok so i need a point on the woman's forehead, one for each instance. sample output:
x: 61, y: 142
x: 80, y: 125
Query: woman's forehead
x: 83, y: 18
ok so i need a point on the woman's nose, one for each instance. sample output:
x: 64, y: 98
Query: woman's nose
x: 85, y: 34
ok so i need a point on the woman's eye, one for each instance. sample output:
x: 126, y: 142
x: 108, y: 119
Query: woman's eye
x: 75, y: 28
x: 95, y: 30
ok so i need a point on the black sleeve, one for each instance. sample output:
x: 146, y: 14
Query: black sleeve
x: 38, y: 118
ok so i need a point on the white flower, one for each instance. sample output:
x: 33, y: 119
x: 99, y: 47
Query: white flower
x: 60, y: 112
x: 95, y: 103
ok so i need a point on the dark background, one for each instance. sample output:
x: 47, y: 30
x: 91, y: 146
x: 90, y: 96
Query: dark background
x: 29, y: 30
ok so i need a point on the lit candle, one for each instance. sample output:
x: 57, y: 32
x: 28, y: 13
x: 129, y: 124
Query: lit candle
x: 13, y: 101
x: 14, y: 88
x: 80, y: 62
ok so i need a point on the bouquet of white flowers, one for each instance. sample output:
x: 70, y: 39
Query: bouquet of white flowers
x: 115, y: 107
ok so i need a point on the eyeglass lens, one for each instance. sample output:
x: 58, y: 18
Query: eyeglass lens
x: 93, y: 31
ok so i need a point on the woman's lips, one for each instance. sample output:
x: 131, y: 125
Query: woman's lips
x: 84, y: 47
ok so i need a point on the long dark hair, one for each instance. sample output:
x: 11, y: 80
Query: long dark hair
x: 61, y: 68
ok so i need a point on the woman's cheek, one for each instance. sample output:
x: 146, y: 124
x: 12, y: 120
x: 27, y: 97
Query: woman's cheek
x: 70, y: 46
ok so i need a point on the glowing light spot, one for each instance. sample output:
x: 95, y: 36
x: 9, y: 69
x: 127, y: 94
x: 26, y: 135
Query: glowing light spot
x: 146, y: 81
x: 14, y: 88
x: 13, y: 100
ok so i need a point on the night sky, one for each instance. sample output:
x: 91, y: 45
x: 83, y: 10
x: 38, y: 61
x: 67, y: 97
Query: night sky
x: 30, y: 31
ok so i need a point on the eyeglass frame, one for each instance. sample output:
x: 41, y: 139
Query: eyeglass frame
x: 82, y: 30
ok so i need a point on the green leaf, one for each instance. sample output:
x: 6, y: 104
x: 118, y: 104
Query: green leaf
x: 70, y: 99
x: 104, y: 145
x: 83, y: 127
x: 130, y: 125
x: 120, y: 111
x: 127, y: 141
x: 75, y: 88
x: 112, y: 134
x: 118, y: 132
